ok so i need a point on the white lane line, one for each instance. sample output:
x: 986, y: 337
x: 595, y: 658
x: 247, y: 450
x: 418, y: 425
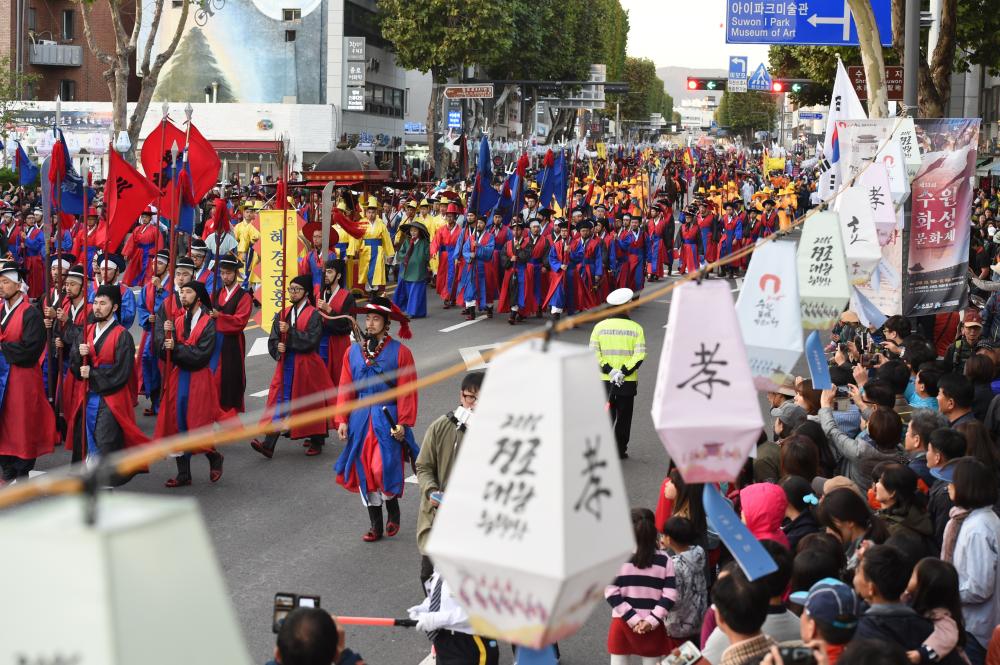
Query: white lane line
x: 258, y: 348
x: 463, y: 324
x: 473, y: 356
x: 260, y: 393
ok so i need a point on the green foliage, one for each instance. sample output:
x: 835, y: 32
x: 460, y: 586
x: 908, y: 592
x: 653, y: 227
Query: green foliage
x: 12, y: 89
x: 818, y: 63
x: 646, y: 92
x: 978, y: 35
x: 8, y: 177
x: 746, y: 112
x: 440, y: 36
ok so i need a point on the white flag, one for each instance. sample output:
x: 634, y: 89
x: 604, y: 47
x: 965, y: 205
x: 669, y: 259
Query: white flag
x: 844, y: 105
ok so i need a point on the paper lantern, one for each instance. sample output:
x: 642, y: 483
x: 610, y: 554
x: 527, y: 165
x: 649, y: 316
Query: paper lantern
x: 769, y: 314
x: 535, y: 522
x: 704, y: 406
x: 857, y: 229
x: 874, y: 182
x: 822, y: 272
x: 140, y: 586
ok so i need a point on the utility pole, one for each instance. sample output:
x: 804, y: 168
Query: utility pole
x: 911, y: 55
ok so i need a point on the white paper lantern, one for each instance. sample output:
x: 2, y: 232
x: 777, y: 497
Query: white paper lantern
x: 140, y: 586
x: 535, y: 521
x: 704, y: 404
x: 769, y: 314
x: 822, y: 272
x: 857, y: 229
x: 874, y: 182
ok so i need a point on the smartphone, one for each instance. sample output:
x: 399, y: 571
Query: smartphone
x: 797, y: 655
x: 437, y: 496
x: 285, y: 603
x: 685, y: 654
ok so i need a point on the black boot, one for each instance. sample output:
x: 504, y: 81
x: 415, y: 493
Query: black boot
x: 183, y: 477
x: 375, y: 532
x: 392, y: 522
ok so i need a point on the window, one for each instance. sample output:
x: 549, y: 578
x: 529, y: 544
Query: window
x: 32, y: 19
x: 67, y: 90
x: 289, y: 35
x: 291, y: 14
x: 68, y: 29
x: 383, y: 100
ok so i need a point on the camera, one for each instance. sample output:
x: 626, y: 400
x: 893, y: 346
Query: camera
x: 797, y: 656
x: 284, y: 603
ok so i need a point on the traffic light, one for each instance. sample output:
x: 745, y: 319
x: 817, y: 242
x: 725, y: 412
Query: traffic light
x: 794, y: 86
x: 777, y: 86
x: 698, y: 83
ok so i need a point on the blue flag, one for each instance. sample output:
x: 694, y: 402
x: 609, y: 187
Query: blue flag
x: 486, y: 195
x: 553, y: 183
x: 27, y: 172
x: 745, y: 548
x: 819, y: 369
x: 72, y: 190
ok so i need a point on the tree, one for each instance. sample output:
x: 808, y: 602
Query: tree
x: 11, y: 86
x: 745, y: 112
x: 127, y: 49
x: 869, y: 43
x: 192, y: 70
x: 646, y: 92
x: 817, y: 63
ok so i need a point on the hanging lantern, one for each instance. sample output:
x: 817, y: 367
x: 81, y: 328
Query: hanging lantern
x: 140, y: 585
x: 874, y: 182
x: 769, y: 314
x: 704, y: 405
x: 822, y: 272
x: 535, y: 522
x: 857, y: 229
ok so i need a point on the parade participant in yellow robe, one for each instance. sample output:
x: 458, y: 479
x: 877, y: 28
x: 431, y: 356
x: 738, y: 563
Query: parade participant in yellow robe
x: 371, y: 250
x: 247, y: 233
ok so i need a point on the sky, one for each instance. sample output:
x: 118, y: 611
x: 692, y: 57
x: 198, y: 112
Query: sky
x: 684, y: 33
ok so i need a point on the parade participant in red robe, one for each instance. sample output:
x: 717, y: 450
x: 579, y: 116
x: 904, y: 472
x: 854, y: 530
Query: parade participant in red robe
x: 690, y: 234
x: 99, y: 414
x: 445, y: 245
x: 517, y: 294
x: 335, y: 301
x: 706, y: 226
x: 379, y: 436
x: 591, y: 266
x: 33, y: 239
x: 51, y: 303
x: 300, y: 372
x: 538, y: 246
x: 767, y: 221
x: 632, y: 244
x: 141, y: 248
x: 154, y: 293
x: 91, y: 235
x: 27, y: 423
x: 190, y: 398
x: 233, y: 306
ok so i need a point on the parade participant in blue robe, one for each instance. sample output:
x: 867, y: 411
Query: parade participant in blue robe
x: 152, y: 296
x: 478, y: 281
x: 202, y: 266
x: 565, y: 256
x: 110, y: 268
x: 632, y: 245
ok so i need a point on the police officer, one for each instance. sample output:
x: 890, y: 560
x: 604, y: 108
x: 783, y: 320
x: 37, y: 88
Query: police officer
x: 620, y: 345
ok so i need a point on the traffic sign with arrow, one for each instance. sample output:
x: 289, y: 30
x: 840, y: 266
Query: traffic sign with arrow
x: 478, y: 91
x: 818, y: 23
x: 737, y: 74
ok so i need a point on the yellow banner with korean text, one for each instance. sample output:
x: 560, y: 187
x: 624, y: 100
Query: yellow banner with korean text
x: 272, y: 250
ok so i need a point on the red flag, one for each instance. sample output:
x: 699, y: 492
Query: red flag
x: 126, y: 194
x: 203, y: 162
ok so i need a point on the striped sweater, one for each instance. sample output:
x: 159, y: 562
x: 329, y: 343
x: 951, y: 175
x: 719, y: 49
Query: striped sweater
x: 643, y: 593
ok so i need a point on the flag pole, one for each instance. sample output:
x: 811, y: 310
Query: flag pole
x: 165, y: 109
x: 168, y: 334
x: 284, y: 233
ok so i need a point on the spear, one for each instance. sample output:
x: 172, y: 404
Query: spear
x: 168, y: 334
x: 283, y: 193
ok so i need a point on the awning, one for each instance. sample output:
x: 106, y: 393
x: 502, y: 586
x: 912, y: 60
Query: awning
x: 247, y: 146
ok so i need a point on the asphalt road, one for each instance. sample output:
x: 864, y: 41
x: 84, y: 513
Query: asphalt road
x: 285, y: 525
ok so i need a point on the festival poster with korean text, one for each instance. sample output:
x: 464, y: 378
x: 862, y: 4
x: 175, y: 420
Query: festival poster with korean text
x: 271, y: 250
x: 534, y: 522
x: 941, y: 204
x: 863, y: 141
x: 705, y: 407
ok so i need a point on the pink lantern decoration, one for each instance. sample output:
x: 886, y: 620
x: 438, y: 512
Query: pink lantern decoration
x: 705, y: 405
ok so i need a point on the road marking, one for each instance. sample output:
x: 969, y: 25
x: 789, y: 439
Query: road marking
x: 473, y: 356
x: 463, y: 324
x: 260, y: 393
x: 412, y: 479
x: 739, y: 287
x: 258, y: 348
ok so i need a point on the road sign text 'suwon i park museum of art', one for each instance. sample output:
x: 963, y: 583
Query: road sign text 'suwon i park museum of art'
x: 813, y: 22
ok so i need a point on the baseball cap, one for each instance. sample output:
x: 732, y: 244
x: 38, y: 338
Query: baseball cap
x: 973, y: 318
x: 830, y: 601
x: 790, y: 413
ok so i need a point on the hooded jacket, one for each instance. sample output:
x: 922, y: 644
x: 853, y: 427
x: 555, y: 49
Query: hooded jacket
x: 916, y: 524
x: 763, y: 506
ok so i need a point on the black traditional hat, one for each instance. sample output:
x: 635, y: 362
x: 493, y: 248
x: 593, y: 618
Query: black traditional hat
x: 202, y: 292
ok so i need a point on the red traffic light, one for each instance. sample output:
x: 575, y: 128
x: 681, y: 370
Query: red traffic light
x: 777, y: 86
x: 692, y: 84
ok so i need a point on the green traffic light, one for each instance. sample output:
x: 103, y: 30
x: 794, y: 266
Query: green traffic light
x: 710, y: 85
x: 796, y: 87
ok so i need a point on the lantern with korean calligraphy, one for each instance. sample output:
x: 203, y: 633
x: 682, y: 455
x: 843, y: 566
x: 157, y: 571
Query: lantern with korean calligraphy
x: 769, y: 314
x: 874, y: 182
x: 535, y: 522
x: 704, y: 406
x: 857, y: 229
x: 822, y: 273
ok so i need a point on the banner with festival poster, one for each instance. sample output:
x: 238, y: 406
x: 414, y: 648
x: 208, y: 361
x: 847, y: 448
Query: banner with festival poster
x: 535, y: 520
x: 822, y: 272
x: 769, y: 314
x: 271, y: 250
x: 705, y: 407
x: 941, y: 205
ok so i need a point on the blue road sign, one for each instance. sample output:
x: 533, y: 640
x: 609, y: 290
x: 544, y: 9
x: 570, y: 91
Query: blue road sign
x: 454, y: 119
x: 810, y: 115
x: 737, y: 74
x: 814, y: 22
x: 760, y: 79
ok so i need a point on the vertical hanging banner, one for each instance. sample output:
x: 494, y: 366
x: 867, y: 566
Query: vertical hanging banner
x: 271, y: 250
x: 895, y: 167
x: 769, y: 314
x: 705, y: 406
x: 874, y: 182
x: 857, y: 230
x: 822, y: 272
x: 941, y: 204
x: 535, y: 522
